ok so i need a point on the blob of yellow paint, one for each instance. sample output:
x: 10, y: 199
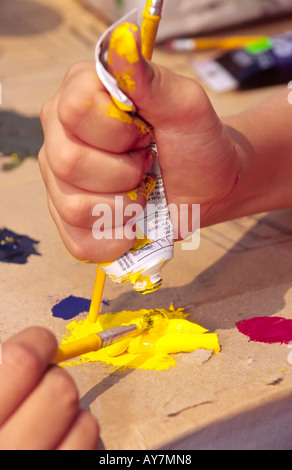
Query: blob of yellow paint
x: 133, y: 195
x: 146, y: 187
x: 152, y: 350
x: 125, y: 80
x: 115, y: 112
x: 138, y: 278
x: 124, y: 44
x: 121, y: 112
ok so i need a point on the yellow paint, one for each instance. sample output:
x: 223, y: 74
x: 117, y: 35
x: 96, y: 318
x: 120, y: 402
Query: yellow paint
x: 122, y: 106
x: 80, y: 260
x: 149, y: 31
x: 133, y: 195
x: 142, y: 126
x: 80, y: 346
x: 125, y: 80
x: 115, y: 112
x: 121, y: 112
x: 123, y: 43
x: 97, y: 295
x: 146, y: 187
x: 136, y: 278
x: 140, y: 243
x: 149, y: 351
x: 104, y: 265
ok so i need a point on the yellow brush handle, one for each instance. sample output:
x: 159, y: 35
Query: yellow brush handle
x: 149, y: 32
x: 97, y: 295
x: 77, y: 348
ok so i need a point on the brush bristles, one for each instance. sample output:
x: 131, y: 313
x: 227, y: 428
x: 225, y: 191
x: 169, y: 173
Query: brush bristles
x: 154, y: 320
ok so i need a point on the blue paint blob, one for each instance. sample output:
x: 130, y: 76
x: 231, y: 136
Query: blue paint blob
x: 16, y: 248
x: 71, y: 307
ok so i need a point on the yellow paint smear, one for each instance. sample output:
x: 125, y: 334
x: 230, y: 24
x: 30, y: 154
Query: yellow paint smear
x: 124, y: 44
x: 133, y: 195
x: 125, y: 80
x: 138, y: 278
x: 140, y: 243
x: 123, y: 107
x: 115, y: 112
x: 121, y: 112
x: 153, y: 350
x: 146, y: 187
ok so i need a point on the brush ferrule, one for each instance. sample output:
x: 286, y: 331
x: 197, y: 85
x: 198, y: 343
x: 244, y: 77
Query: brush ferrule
x: 156, y: 7
x: 113, y: 335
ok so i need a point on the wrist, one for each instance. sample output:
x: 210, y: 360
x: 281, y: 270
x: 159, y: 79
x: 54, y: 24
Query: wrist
x: 224, y: 207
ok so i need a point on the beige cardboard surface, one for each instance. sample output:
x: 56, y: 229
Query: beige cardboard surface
x: 239, y: 398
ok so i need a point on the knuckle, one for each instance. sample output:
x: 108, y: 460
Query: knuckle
x: 71, y: 107
x: 197, y: 95
x: 65, y: 165
x: 70, y: 112
x: 22, y: 356
x: 74, y: 211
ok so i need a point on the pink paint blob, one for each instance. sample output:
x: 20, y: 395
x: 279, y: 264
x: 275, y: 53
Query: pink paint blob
x: 267, y: 329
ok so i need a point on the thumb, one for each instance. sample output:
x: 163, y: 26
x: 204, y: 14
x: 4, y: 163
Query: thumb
x: 163, y: 98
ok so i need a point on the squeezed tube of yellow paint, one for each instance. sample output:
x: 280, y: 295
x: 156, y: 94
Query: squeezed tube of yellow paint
x: 142, y: 265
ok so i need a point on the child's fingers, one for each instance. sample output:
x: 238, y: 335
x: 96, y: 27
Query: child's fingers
x: 95, y: 244
x: 25, y: 357
x: 83, y: 435
x: 91, y: 169
x: 45, y: 416
x: 87, y: 111
x: 81, y: 208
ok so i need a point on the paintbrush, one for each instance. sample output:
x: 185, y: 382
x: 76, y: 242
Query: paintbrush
x: 150, y: 24
x: 97, y: 295
x: 154, y: 320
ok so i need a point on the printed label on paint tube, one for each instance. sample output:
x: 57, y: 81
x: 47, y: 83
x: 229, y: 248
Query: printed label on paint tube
x: 142, y: 266
x: 154, y: 248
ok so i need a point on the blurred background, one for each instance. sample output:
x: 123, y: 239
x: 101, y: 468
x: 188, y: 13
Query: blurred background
x: 183, y: 17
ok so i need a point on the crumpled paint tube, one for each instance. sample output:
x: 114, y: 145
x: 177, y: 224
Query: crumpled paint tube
x: 142, y: 265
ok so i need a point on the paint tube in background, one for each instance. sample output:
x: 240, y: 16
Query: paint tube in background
x: 141, y: 265
x: 263, y: 63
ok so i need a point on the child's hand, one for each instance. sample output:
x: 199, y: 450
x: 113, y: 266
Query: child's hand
x: 92, y: 151
x: 39, y: 404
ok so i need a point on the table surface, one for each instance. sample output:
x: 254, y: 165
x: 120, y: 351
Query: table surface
x: 239, y: 398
